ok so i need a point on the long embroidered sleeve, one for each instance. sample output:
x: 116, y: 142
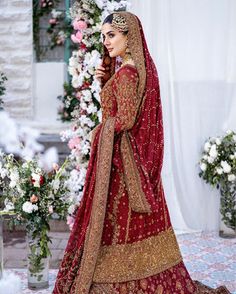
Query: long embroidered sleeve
x: 125, y: 90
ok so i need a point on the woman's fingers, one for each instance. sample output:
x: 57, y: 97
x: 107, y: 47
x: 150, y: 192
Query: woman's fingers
x: 100, y: 72
x: 100, y: 67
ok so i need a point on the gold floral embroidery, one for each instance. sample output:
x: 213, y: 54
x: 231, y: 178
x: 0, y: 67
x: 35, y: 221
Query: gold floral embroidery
x: 136, y: 49
x: 95, y: 228
x: 125, y: 90
x: 115, y: 210
x: 138, y: 260
x: 103, y: 289
x: 106, y: 100
x: 137, y: 198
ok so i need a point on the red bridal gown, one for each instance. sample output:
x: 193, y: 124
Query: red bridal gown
x: 139, y: 250
x: 122, y: 241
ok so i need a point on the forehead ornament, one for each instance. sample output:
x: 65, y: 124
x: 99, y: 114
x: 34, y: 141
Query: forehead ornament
x: 119, y: 23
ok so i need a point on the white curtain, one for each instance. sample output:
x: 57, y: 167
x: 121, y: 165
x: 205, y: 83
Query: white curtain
x: 193, y: 44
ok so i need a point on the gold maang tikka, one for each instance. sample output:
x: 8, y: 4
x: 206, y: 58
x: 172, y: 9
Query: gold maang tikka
x: 119, y: 23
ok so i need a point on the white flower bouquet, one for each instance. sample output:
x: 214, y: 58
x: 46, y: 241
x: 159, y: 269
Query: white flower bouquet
x: 218, y: 168
x: 34, y: 196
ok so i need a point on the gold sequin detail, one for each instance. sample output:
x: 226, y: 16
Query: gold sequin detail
x: 137, y: 198
x: 138, y: 260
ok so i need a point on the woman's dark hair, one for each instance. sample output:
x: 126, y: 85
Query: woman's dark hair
x: 109, y: 19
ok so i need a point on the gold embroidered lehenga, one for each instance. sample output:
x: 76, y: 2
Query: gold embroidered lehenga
x: 122, y: 241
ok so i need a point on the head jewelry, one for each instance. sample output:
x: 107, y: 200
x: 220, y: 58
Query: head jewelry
x: 119, y: 23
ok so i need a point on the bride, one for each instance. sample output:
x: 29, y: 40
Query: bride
x: 122, y: 241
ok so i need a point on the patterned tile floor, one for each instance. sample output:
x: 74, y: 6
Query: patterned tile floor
x: 209, y: 259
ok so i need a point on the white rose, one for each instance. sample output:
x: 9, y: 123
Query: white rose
x: 228, y: 214
x: 231, y: 177
x: 36, y: 180
x: 14, y: 178
x: 231, y: 156
x: 219, y: 170
x: 8, y: 205
x: 71, y: 209
x: 3, y: 173
x: 226, y: 167
x: 218, y: 141
x: 210, y: 159
x: 228, y: 132
x: 27, y: 207
x: 56, y: 185
x: 213, y: 152
x: 35, y: 207
x: 207, y: 146
x: 203, y: 166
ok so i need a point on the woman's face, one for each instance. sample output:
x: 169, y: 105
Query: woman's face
x: 114, y: 41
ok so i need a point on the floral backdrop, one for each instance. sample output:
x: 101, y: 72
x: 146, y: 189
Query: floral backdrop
x: 82, y: 96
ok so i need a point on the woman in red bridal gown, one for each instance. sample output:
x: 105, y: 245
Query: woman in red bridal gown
x: 122, y: 241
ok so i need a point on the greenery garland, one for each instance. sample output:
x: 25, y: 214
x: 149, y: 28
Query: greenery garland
x: 3, y: 78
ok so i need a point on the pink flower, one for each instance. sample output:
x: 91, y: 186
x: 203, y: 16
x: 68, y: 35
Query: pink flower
x: 34, y: 198
x: 74, y: 142
x: 78, y: 95
x: 77, y: 38
x: 70, y: 221
x: 53, y: 21
x: 79, y: 25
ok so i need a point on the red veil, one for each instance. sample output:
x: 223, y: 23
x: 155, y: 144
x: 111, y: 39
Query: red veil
x: 141, y: 153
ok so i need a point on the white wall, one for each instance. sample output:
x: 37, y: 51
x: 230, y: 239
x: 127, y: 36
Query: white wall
x: 48, y: 84
x: 16, y: 55
x: 32, y: 88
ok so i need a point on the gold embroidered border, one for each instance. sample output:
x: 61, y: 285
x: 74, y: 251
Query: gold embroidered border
x: 135, y: 44
x: 103, y: 289
x: 203, y: 289
x: 137, y: 198
x: 95, y: 228
x: 139, y: 260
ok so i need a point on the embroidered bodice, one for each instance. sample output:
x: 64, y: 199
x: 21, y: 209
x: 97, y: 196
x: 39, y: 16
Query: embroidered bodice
x: 119, y: 97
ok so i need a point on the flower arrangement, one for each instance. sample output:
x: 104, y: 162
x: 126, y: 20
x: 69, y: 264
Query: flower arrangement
x: 34, y: 196
x: 59, y: 27
x: 218, y: 168
x: 82, y: 100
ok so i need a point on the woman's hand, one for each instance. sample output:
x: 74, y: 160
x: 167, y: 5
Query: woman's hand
x: 99, y: 73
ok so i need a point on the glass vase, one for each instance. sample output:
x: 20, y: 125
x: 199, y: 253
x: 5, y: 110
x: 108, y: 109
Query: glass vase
x: 38, y: 268
x: 228, y: 211
x: 1, y: 248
